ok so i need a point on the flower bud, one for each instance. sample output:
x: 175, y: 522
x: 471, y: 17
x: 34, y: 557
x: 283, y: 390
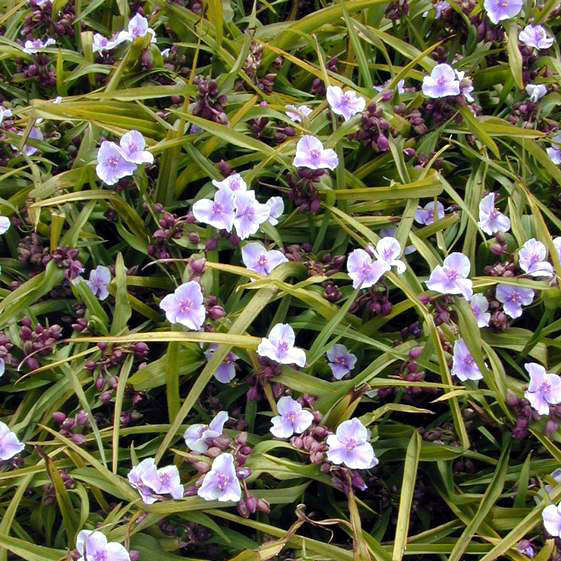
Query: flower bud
x: 263, y: 506
x: 59, y: 417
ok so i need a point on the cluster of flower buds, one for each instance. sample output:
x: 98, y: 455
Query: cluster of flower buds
x: 6, y: 346
x: 188, y: 534
x: 250, y: 505
x: 439, y: 111
x: 176, y: 62
x: 486, y: 31
x: 326, y: 265
x: 210, y: 105
x: 213, y: 309
x: 331, y: 292
x: 40, y: 21
x: 414, y: 330
x: 37, y: 341
x: 313, y: 441
x: 49, y: 493
x: 170, y: 228
x: 266, y: 130
x: 68, y: 259
x: 296, y: 252
x: 318, y: 87
x: 72, y: 427
x: 397, y: 9
x: 268, y: 370
x: 32, y: 252
x: 79, y: 322
x: 506, y: 269
x: 373, y: 301
x: 416, y: 120
x: 373, y: 129
x: 523, y: 414
x: 39, y: 69
x: 341, y: 477
x: 303, y: 190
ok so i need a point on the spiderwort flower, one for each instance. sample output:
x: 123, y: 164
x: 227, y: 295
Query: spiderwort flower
x: 557, y: 245
x: 4, y: 224
x: 257, y: 259
x: 99, y: 281
x: 532, y: 259
x: 391, y: 231
x: 310, y: 153
x: 425, y: 215
x: 363, y: 270
x: 28, y: 149
x: 400, y: 86
x: 347, y: 104
x: 551, y: 515
x: 513, y: 298
x: 554, y: 152
x: 234, y: 183
x: 249, y: 214
x: 132, y: 147
x: 276, y: 208
x: 4, y: 113
x: 388, y: 251
x: 292, y: 419
x: 93, y: 546
x: 279, y: 346
x: 451, y: 276
x: 152, y: 483
x: 439, y: 7
x: 536, y: 91
x: 221, y: 482
x: 479, y: 306
x: 544, y: 389
x: 463, y: 365
x: 218, y: 212
x: 2, y: 367
x: 350, y: 446
x: 199, y: 437
x: 340, y: 360
x: 535, y: 36
x: 185, y: 306
x: 226, y: 372
x: 10, y: 446
x: 34, y: 46
x: 298, y: 114
x: 499, y: 10
x: 138, y: 27
x: 466, y: 85
x: 492, y: 220
x: 111, y: 164
x: 101, y: 43
x: 442, y: 82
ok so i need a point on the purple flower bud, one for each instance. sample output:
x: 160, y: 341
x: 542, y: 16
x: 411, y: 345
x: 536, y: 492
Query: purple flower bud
x: 216, y: 312
x: 198, y: 266
x: 82, y: 418
x: 106, y: 396
x: 243, y: 472
x: 59, y: 417
x: 251, y: 503
x: 211, y: 245
x: 78, y: 438
x: 263, y: 506
x: 243, y: 509
x: 134, y: 555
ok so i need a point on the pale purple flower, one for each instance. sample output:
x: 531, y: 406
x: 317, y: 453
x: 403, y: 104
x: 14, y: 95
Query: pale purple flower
x: 4, y: 224
x: 442, y: 82
x: 10, y: 446
x: 93, y: 546
x: 536, y: 91
x: 535, y: 36
x: 451, y: 276
x: 532, y: 259
x: 152, y: 483
x: 218, y: 212
x: 221, y: 482
x: 363, y: 270
x: 552, y: 520
x: 513, y: 298
x: 479, y: 306
x: 132, y: 146
x: 249, y: 214
x: 347, y: 104
x: 554, y: 152
x: 463, y: 365
x: 234, y: 183
x: 257, y: 259
x: 99, y: 281
x: 466, y: 85
x: 279, y: 346
x: 101, y: 43
x: 388, y: 251
x: 440, y: 6
x: 185, y: 306
x: 292, y: 419
x: 2, y: 367
x: 492, y: 220
x: 297, y: 114
x: 4, y: 113
x: 166, y: 52
x: 138, y: 27
x: 557, y: 245
x: 425, y: 215
x: 340, y: 360
x: 111, y: 164
x: 199, y: 437
x: 499, y: 10
x: 276, y: 208
x: 226, y: 372
x: 544, y: 389
x: 33, y: 46
x: 391, y: 231
x: 41, y: 2
x: 526, y: 548
x: 310, y: 153
x: 400, y: 86
x: 350, y: 446
x: 28, y: 149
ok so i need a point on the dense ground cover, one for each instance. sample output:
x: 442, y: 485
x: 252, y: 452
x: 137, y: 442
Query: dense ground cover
x: 280, y: 280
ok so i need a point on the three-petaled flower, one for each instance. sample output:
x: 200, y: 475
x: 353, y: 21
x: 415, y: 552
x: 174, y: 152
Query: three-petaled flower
x: 513, y: 298
x: 199, y: 437
x: 340, y: 360
x: 535, y: 36
x: 292, y: 419
x: 93, y: 546
x: 479, y: 306
x: 347, y: 104
x: 311, y: 154
x: 364, y: 270
x: 226, y: 372
x: 425, y: 215
x: 279, y: 346
x: 499, y: 10
x: 442, y: 82
x: 552, y: 520
x: 152, y: 483
x: 185, y: 306
x: 532, y: 259
x: 451, y: 276
x: 260, y: 260
x: 544, y: 389
x: 221, y: 483
x: 350, y: 446
x: 463, y: 364
x: 492, y: 220
x: 388, y: 251
x: 10, y: 446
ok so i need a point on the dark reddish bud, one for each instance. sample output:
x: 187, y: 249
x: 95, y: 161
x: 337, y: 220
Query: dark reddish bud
x: 198, y: 266
x: 263, y: 506
x: 216, y: 312
x: 59, y: 417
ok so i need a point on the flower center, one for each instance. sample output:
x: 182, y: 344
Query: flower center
x: 282, y: 348
x: 185, y: 306
x: 350, y: 444
x: 113, y: 162
x: 387, y: 254
x: 452, y: 275
x: 217, y: 208
x: 164, y: 479
x: 99, y: 556
x: 262, y: 261
x: 315, y: 155
x: 341, y: 361
x: 503, y: 3
x: 222, y: 481
x: 544, y: 390
x: 514, y: 297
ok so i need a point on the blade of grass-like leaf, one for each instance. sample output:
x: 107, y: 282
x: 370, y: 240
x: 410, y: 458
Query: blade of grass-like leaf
x: 232, y: 339
x: 514, y: 56
x: 410, y: 469
x: 29, y: 551
x: 122, y: 312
